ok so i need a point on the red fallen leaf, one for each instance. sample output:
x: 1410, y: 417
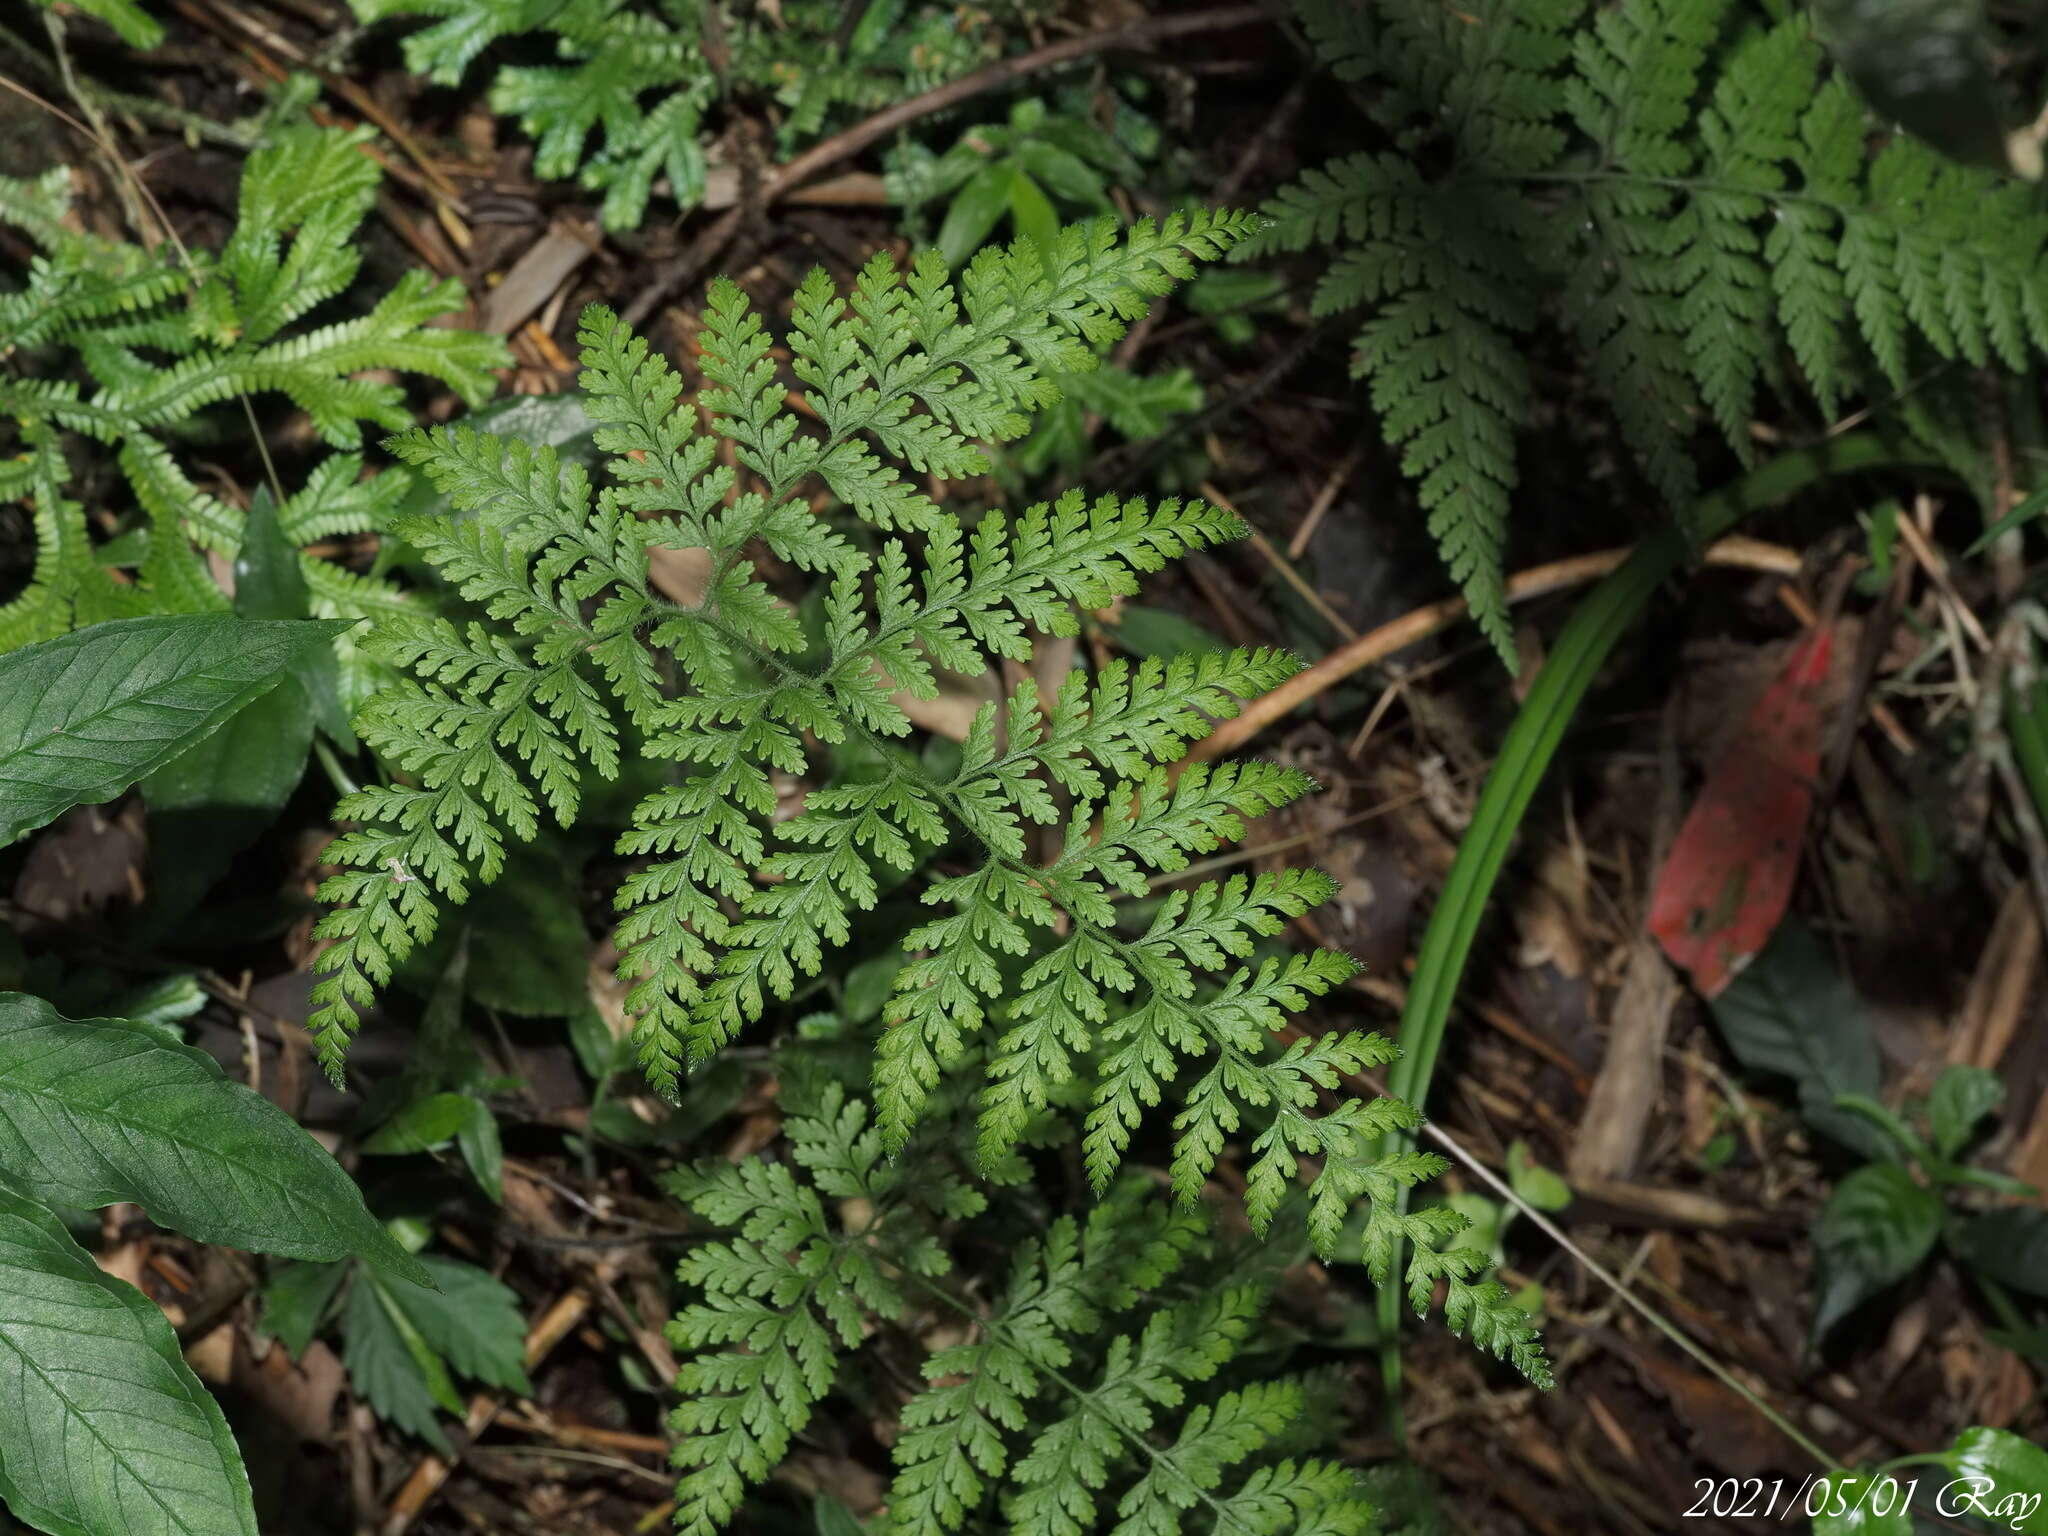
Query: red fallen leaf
x: 1729, y: 876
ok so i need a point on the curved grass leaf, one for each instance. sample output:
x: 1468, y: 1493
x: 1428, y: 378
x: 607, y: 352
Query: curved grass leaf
x: 98, y: 1110
x: 1597, y: 625
x: 87, y: 714
x: 104, y: 1431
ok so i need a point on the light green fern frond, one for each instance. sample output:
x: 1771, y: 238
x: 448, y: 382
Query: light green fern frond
x: 730, y: 907
x: 903, y: 374
x: 783, y: 1299
x: 162, y: 341
x: 625, y: 99
x: 1080, y: 1400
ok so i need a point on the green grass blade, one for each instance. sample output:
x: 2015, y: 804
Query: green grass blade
x: 1595, y: 627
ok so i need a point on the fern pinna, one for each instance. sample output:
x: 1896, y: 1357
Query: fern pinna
x: 625, y: 104
x: 1087, y: 1397
x: 1028, y: 977
x: 164, y: 338
x: 1685, y: 185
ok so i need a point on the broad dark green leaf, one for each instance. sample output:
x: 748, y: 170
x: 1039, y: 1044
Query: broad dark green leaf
x: 1792, y: 1013
x: 1962, y: 1097
x: 104, y: 1431
x: 98, y: 1110
x: 473, y: 1321
x: 87, y: 714
x: 1860, y: 1504
x: 833, y: 1518
x: 296, y: 1299
x: 2005, y: 1477
x: 420, y: 1126
x: 974, y: 211
x: 1877, y: 1228
x: 249, y: 766
x: 270, y: 583
x: 1924, y: 64
x: 2010, y: 1245
x: 529, y: 953
x: 208, y: 804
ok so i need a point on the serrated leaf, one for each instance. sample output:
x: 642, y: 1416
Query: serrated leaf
x: 296, y: 1299
x: 94, y: 1111
x: 393, y: 1373
x: 104, y: 1430
x: 473, y: 1321
x: 85, y: 715
x: 1876, y: 1229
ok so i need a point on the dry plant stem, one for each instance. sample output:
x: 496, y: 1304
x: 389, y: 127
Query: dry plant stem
x: 432, y: 1472
x: 1325, y: 499
x: 843, y: 146
x: 1736, y: 552
x: 1282, y: 566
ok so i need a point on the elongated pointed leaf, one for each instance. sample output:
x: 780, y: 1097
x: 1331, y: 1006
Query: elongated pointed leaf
x: 87, y: 714
x: 104, y: 1431
x: 1877, y: 1228
x: 98, y: 1110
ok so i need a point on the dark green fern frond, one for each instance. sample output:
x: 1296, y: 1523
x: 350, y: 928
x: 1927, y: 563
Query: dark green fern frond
x: 1683, y: 185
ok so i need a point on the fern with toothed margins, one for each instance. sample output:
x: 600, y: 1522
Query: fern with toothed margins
x: 164, y: 337
x: 726, y: 911
x: 1104, y: 1388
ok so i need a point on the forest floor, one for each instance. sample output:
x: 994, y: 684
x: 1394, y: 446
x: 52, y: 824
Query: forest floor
x: 1574, y: 1045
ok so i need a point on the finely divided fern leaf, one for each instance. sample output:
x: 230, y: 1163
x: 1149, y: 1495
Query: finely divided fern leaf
x: 1085, y: 1398
x: 1027, y: 982
x: 1685, y: 186
x: 625, y: 100
x: 164, y: 340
